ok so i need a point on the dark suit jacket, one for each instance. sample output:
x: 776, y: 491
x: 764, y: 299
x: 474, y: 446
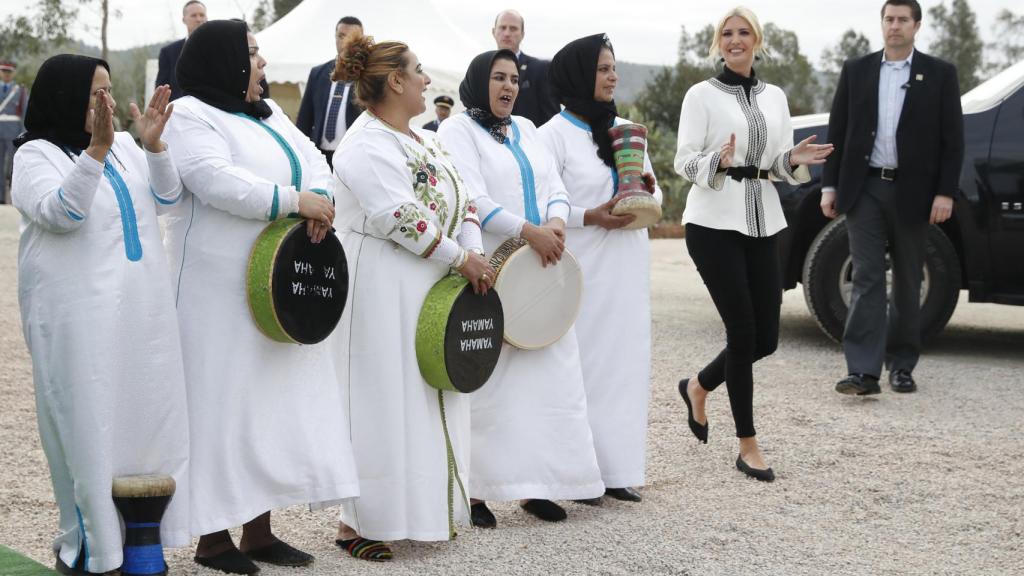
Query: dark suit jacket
x: 313, y: 109
x: 535, y: 100
x: 929, y: 136
x: 433, y: 125
x: 168, y: 62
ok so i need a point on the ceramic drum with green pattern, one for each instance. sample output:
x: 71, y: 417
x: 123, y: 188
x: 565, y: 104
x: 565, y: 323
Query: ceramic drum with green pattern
x: 296, y: 289
x: 459, y: 335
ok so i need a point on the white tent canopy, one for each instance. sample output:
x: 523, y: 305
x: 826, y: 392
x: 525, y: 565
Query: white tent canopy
x: 304, y: 38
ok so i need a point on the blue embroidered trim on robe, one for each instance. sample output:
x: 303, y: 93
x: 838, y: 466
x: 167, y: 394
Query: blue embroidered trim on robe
x: 293, y: 161
x: 526, y: 173
x: 132, y: 244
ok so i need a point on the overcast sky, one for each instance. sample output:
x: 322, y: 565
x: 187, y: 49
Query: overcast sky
x: 648, y: 32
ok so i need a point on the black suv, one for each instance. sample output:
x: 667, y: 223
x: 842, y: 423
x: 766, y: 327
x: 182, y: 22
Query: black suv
x: 980, y: 249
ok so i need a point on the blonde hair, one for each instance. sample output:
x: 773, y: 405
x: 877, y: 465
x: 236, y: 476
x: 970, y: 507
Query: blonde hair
x: 755, y: 26
x: 367, y: 64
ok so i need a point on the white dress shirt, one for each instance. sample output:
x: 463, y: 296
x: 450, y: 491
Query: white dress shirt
x: 892, y: 90
x: 326, y: 144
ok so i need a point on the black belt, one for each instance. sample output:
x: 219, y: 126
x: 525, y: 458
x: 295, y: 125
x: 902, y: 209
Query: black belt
x: 887, y: 174
x: 738, y: 173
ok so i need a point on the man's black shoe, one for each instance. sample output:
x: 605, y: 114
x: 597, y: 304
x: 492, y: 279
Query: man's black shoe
x: 901, y: 381
x: 858, y: 385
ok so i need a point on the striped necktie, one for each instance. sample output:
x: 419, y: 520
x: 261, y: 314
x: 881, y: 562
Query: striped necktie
x: 331, y: 128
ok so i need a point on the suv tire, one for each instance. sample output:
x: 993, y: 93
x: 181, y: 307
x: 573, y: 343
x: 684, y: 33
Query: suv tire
x: 827, y: 273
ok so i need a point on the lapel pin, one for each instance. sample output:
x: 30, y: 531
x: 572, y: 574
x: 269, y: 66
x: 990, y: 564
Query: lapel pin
x: 919, y: 77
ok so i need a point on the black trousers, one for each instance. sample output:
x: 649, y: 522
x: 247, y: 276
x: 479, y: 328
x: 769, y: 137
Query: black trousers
x: 742, y: 275
x: 879, y: 328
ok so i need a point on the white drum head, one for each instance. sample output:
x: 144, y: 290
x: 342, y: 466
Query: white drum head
x: 645, y: 208
x: 540, y: 303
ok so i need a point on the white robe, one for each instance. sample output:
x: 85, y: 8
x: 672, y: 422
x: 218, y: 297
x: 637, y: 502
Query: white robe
x: 399, y: 203
x: 103, y: 335
x: 264, y: 415
x: 614, y: 325
x: 531, y: 438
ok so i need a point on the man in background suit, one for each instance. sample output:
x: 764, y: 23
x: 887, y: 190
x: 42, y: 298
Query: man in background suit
x: 193, y: 13
x: 13, y: 103
x: 535, y: 100
x: 328, y: 108
x: 442, y: 109
x: 897, y: 128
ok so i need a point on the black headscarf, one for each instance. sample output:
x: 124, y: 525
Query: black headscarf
x: 214, y: 67
x: 59, y: 102
x: 475, y: 92
x: 572, y: 75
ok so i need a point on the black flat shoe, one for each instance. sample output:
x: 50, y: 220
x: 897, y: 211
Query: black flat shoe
x: 280, y: 554
x: 589, y: 501
x: 901, y: 381
x: 545, y: 510
x: 858, y: 385
x: 699, y: 430
x: 231, y: 561
x: 762, y: 475
x: 481, y: 516
x: 625, y: 494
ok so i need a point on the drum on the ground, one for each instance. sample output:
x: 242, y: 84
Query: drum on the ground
x: 142, y: 500
x: 458, y: 335
x: 296, y: 289
x: 540, y: 302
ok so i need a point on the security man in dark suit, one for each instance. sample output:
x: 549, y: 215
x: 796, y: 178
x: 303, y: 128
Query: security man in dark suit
x: 328, y: 108
x: 897, y: 128
x: 192, y: 14
x: 535, y: 100
x: 443, y: 109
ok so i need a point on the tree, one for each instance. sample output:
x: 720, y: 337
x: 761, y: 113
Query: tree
x: 957, y: 40
x: 851, y: 45
x: 1009, y: 48
x: 789, y: 69
x: 262, y: 17
x: 282, y: 7
x: 29, y: 34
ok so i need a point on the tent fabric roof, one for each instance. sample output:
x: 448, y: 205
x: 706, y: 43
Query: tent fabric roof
x: 304, y: 38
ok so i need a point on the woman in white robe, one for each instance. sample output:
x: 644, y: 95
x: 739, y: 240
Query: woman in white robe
x: 531, y: 439
x: 265, y: 415
x: 614, y: 325
x: 96, y: 306
x: 406, y: 220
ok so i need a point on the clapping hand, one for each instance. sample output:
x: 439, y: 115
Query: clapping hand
x: 806, y: 153
x: 726, y: 153
x: 101, y: 126
x: 151, y: 123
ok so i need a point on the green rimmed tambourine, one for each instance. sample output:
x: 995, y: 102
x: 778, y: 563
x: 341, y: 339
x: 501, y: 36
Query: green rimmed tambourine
x: 459, y: 335
x: 296, y: 289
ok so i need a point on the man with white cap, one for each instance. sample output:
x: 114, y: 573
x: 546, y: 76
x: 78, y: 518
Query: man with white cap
x: 13, y: 97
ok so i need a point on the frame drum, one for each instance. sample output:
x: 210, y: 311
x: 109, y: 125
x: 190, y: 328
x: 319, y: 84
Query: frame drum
x: 296, y: 289
x: 541, y: 303
x: 458, y: 335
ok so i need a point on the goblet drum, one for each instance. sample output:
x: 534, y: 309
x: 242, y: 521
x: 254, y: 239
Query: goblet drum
x: 141, y: 500
x: 629, y: 142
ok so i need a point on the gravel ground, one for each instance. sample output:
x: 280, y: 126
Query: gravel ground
x: 928, y: 483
